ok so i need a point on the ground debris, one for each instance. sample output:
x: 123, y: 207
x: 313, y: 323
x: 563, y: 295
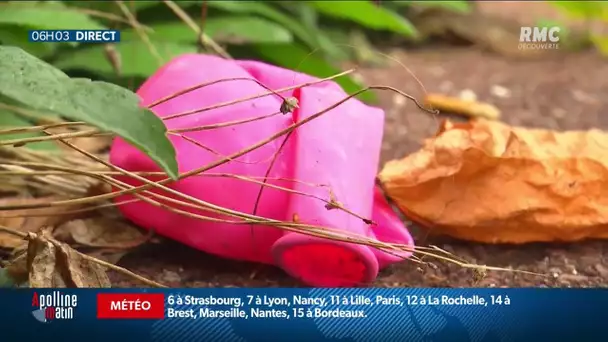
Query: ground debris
x: 100, y: 232
x: 109, y: 238
x: 48, y: 263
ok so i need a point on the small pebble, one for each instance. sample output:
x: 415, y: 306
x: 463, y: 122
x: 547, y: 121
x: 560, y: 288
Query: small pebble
x: 558, y: 113
x: 358, y: 77
x: 467, y: 95
x: 500, y: 91
x: 171, y: 276
x: 437, y: 71
x: 446, y: 86
x: 583, y: 97
x: 399, y: 100
x: 603, y: 271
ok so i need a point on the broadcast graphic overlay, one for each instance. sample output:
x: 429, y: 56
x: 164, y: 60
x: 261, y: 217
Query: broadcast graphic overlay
x: 373, y: 314
x: 74, y: 36
x: 301, y: 314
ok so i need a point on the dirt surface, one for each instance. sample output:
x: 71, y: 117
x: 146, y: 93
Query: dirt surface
x: 557, y: 92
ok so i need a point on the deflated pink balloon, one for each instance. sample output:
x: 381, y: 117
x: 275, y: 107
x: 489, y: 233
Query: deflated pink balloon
x: 337, y: 151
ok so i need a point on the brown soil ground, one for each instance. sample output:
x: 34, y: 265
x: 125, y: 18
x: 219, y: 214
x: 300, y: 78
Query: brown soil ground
x: 562, y: 91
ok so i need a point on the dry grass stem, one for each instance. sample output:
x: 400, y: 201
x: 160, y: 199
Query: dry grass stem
x: 208, y: 42
x: 224, y: 124
x: 253, y: 97
x: 141, y: 32
x: 41, y: 128
x: 24, y: 141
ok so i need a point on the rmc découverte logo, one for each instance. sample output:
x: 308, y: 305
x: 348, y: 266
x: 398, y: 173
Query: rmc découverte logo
x: 539, y: 38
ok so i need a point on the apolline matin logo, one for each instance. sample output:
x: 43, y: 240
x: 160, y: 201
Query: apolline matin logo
x: 539, y: 38
x: 54, y: 306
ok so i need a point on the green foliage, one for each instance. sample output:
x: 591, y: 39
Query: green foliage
x: 366, y: 14
x: 589, y: 11
x: 135, y: 59
x: 310, y: 37
x: 456, y: 6
x: 298, y: 28
x: 30, y: 83
x: 583, y: 9
x: 49, y: 15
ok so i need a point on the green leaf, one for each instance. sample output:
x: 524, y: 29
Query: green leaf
x: 582, y: 9
x: 307, y: 14
x: 247, y: 30
x: 367, y: 14
x: 46, y: 15
x: 109, y: 6
x: 564, y: 30
x: 32, y: 83
x: 306, y: 35
x: 135, y: 57
x: 297, y: 58
x: 454, y: 6
x: 11, y: 120
x: 601, y: 43
x: 234, y: 30
x: 340, y: 37
x: 17, y: 36
x: 309, y: 17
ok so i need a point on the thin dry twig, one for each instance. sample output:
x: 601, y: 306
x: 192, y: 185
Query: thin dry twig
x: 41, y: 127
x: 208, y: 42
x: 31, y: 114
x: 140, y: 31
x: 224, y: 124
x: 244, y: 99
x: 24, y: 141
x: 203, y: 20
x: 206, y: 84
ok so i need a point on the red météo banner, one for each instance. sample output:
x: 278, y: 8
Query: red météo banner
x: 130, y: 306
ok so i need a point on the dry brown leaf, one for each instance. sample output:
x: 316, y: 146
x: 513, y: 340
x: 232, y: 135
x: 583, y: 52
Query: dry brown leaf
x: 468, y: 108
x: 101, y: 232
x: 53, y: 264
x: 28, y: 223
x: 486, y: 181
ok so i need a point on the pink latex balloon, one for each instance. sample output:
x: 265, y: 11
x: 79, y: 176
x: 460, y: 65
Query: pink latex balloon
x: 337, y: 151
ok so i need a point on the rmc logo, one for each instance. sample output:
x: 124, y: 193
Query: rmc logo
x: 540, y: 38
